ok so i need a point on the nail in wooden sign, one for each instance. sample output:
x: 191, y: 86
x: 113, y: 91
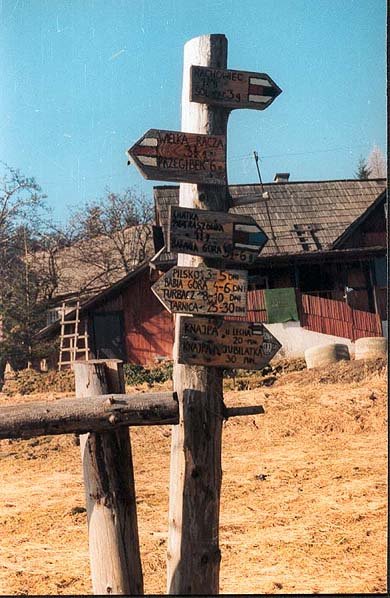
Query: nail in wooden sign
x: 183, y: 157
x: 228, y: 344
x: 232, y: 89
x: 233, y: 237
x: 201, y: 290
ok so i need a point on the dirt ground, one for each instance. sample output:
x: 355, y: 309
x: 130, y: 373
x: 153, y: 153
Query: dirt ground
x: 304, y: 494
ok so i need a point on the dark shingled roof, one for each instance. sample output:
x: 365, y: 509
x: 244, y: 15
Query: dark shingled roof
x: 305, y: 216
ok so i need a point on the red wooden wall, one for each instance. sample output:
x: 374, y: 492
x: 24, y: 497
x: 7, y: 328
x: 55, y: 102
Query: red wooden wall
x: 320, y: 315
x: 338, y: 319
x: 256, y: 310
x: 148, y: 325
x: 149, y: 329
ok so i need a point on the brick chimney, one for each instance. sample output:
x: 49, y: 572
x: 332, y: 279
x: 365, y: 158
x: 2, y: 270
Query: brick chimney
x: 281, y: 177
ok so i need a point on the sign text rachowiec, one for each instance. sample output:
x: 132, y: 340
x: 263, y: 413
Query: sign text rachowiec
x: 232, y: 89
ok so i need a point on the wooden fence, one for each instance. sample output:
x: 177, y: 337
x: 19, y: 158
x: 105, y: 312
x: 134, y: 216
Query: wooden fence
x: 318, y: 314
x: 337, y: 318
x: 256, y: 309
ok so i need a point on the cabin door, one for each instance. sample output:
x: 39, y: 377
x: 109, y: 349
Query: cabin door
x: 108, y: 335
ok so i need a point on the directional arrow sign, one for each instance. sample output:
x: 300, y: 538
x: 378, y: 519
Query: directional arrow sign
x: 215, y: 234
x: 228, y: 344
x: 177, y: 156
x: 202, y: 290
x: 232, y: 89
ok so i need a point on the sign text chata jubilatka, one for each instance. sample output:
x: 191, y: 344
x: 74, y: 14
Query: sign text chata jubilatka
x: 229, y: 344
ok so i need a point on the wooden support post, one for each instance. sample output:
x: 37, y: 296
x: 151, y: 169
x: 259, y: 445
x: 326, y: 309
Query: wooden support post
x: 110, y: 493
x: 372, y: 283
x: 195, y: 475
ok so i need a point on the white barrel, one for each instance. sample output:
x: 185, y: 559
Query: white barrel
x: 326, y: 354
x: 370, y: 347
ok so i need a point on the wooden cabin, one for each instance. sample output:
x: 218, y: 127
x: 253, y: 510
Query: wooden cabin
x: 327, y: 239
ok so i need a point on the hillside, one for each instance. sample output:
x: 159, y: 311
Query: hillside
x: 304, y: 494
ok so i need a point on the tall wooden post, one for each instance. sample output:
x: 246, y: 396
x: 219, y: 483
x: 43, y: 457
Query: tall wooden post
x: 109, y: 488
x: 195, y: 475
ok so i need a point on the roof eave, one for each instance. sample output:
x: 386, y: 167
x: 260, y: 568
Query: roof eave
x: 356, y: 223
x: 92, y: 301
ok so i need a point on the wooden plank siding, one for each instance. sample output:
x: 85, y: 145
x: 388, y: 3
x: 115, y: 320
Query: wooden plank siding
x: 149, y: 328
x: 256, y: 310
x: 327, y: 316
x: 148, y: 325
x: 338, y: 319
x: 382, y: 300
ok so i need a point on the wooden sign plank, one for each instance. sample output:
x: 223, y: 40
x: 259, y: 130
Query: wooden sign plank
x: 184, y: 157
x: 232, y: 89
x: 215, y: 234
x: 228, y: 344
x: 208, y: 291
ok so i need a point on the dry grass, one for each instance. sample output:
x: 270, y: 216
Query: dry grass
x: 304, y: 494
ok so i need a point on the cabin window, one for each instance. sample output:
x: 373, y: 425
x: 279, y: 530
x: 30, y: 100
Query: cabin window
x: 52, y: 315
x: 315, y: 277
x: 108, y: 335
x: 257, y: 281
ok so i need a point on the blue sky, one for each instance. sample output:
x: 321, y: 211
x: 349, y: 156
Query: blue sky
x: 82, y: 80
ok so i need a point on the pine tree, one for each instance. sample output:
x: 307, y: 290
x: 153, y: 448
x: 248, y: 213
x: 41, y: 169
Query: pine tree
x: 363, y: 172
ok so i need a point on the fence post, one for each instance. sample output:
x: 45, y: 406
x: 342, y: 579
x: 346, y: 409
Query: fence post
x: 110, y: 492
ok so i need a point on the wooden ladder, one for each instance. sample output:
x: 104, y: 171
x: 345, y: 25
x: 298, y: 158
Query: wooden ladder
x: 71, y: 337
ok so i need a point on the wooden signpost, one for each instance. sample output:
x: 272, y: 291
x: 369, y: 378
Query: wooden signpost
x: 206, y: 291
x: 206, y: 341
x: 177, y: 156
x: 200, y: 227
x: 231, y: 237
x: 232, y: 89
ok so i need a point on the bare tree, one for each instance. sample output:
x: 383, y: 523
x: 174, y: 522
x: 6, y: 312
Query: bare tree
x: 113, y: 235
x: 21, y: 313
x: 21, y: 199
x: 44, y: 256
x: 376, y: 163
x: 40, y: 261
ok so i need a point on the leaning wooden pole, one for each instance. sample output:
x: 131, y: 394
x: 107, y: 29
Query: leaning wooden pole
x: 110, y: 493
x: 195, y: 475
